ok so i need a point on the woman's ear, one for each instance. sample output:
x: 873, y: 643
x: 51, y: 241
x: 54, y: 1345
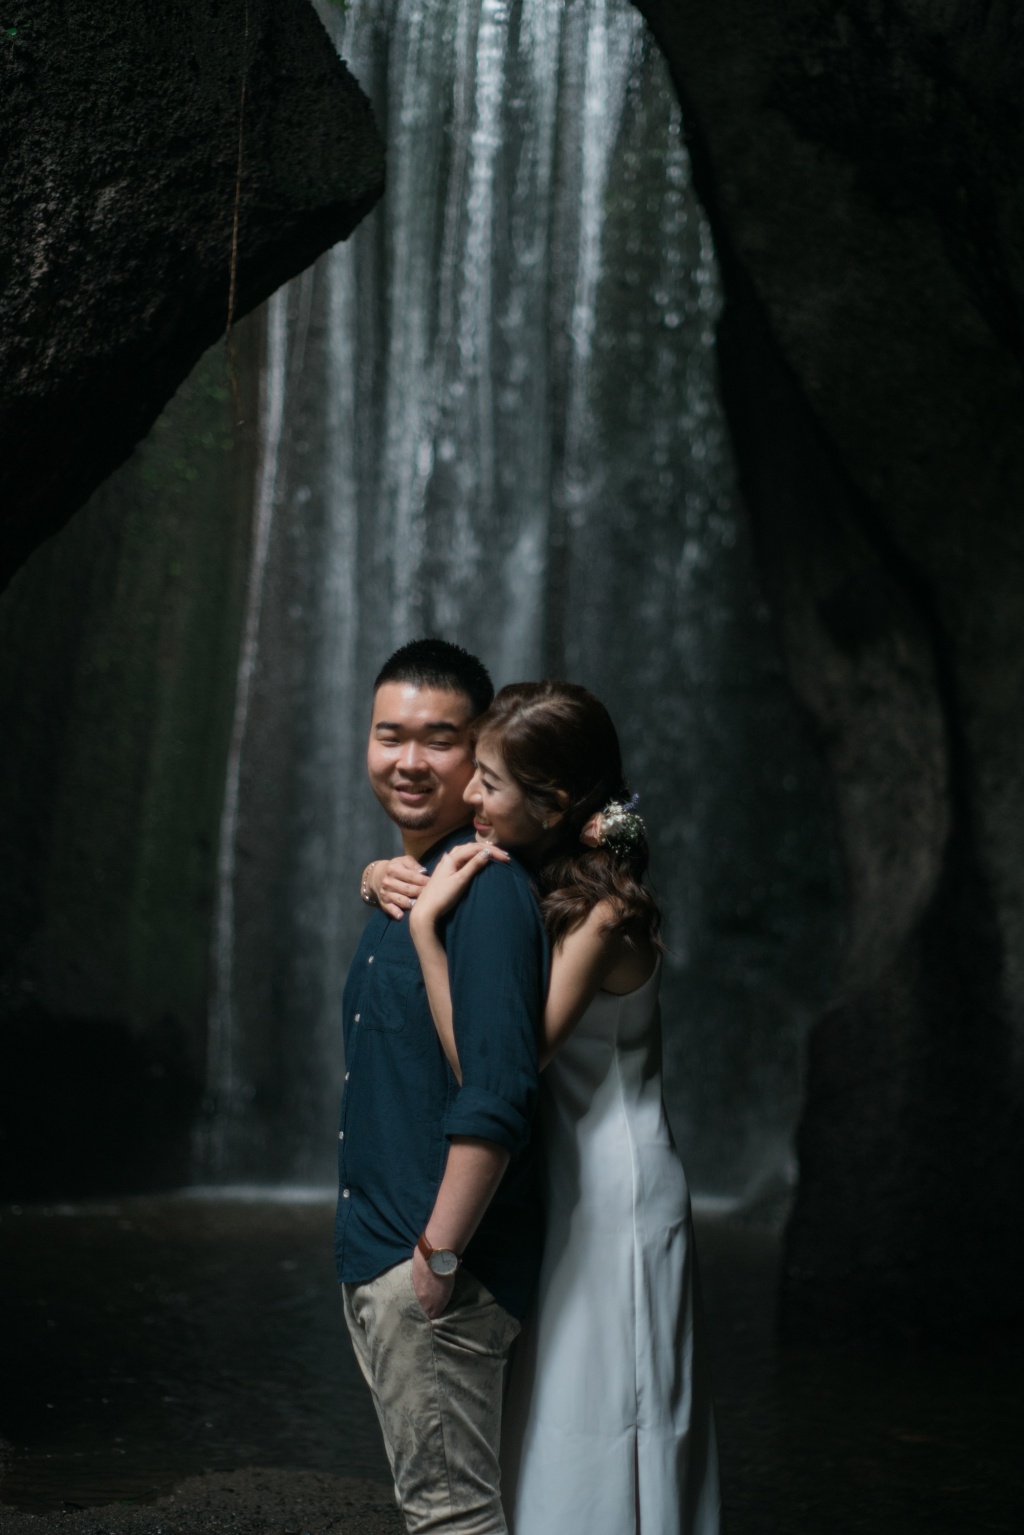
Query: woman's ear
x: 557, y: 816
x: 551, y: 818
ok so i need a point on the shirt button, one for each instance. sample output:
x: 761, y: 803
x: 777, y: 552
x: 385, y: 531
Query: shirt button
x: 370, y: 960
x: 345, y: 1194
x: 341, y: 1135
x: 347, y: 1076
x: 356, y: 1018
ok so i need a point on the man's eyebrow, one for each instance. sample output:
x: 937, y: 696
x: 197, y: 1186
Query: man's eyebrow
x: 431, y: 726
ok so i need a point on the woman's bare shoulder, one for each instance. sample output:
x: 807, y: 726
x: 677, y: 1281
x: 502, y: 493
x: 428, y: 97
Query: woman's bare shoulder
x: 595, y: 931
x: 632, y: 955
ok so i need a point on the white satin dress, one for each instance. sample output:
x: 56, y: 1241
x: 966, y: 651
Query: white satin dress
x: 609, y: 1423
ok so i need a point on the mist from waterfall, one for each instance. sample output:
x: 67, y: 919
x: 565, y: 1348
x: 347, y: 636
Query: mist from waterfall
x: 492, y: 415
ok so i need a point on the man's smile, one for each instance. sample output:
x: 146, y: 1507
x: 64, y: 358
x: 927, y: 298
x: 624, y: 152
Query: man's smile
x: 412, y: 792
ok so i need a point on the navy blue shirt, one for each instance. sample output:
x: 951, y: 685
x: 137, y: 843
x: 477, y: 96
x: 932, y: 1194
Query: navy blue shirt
x: 402, y: 1102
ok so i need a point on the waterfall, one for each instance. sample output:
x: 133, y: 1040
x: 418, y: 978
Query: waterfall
x: 227, y: 1096
x: 496, y: 420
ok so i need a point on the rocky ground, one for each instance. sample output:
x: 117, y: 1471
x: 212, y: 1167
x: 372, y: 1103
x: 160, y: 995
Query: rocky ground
x: 150, y: 1348
x: 249, y: 1502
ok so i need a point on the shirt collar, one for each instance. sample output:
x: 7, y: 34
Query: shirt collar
x: 453, y: 838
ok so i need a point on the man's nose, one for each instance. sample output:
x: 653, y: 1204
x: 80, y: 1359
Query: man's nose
x: 412, y: 758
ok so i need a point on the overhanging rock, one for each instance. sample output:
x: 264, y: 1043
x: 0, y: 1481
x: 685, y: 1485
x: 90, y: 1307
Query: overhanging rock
x: 120, y: 127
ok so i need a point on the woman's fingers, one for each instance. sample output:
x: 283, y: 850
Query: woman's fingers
x: 469, y: 867
x: 466, y: 852
x: 456, y: 857
x: 404, y: 882
x: 454, y: 872
x: 408, y: 869
x: 400, y: 884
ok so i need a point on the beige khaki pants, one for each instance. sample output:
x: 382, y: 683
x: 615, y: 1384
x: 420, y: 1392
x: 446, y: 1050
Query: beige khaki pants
x: 437, y: 1387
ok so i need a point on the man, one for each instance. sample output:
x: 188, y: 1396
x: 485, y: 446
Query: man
x: 438, y: 1233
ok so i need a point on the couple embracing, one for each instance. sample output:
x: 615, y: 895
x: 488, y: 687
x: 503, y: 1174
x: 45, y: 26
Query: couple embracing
x: 481, y: 1202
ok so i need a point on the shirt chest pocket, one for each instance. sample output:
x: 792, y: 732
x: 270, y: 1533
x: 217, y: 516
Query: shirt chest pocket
x: 394, y: 994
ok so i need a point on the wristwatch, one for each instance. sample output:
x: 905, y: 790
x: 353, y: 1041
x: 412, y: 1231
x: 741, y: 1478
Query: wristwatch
x: 440, y: 1260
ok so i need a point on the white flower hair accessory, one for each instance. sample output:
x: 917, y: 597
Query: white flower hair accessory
x: 618, y: 826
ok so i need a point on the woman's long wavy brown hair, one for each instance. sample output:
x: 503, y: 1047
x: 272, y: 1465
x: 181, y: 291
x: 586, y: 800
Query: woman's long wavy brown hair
x: 556, y: 736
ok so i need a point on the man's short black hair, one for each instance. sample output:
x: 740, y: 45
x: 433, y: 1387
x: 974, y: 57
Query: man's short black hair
x: 440, y: 664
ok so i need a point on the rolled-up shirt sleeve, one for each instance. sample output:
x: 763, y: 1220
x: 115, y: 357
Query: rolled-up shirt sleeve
x: 498, y: 971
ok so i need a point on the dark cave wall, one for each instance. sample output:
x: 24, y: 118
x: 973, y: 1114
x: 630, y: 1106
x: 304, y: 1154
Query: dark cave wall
x: 118, y: 657
x: 863, y: 167
x: 118, y: 640
x: 120, y: 127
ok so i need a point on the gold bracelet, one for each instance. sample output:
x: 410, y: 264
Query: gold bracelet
x: 365, y: 892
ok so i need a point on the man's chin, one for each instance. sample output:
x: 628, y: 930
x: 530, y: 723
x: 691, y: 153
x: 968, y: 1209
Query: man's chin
x: 413, y: 820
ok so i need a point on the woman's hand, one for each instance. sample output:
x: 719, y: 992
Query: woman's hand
x: 396, y: 882
x: 452, y: 875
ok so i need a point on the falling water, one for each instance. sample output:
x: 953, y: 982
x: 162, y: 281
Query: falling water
x: 492, y: 415
x: 231, y: 1096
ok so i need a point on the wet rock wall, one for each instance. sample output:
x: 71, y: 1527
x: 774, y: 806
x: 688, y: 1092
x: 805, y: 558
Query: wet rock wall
x: 863, y: 169
x: 118, y: 655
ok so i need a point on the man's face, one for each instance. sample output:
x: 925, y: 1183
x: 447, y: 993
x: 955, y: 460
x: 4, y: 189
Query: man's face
x: 419, y: 759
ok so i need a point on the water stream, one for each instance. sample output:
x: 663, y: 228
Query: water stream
x: 492, y: 415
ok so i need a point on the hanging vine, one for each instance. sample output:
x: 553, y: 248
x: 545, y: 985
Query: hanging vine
x: 232, y: 279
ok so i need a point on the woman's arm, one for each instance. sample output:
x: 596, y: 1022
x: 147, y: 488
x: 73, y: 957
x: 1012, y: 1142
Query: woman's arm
x: 442, y: 891
x: 434, y: 964
x: 593, y: 955
x: 579, y: 965
x: 590, y: 957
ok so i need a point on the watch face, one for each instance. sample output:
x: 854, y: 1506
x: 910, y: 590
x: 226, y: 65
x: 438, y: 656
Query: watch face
x: 442, y: 1262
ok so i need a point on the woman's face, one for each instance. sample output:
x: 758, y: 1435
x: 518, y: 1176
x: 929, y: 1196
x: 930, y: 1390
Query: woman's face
x: 502, y: 812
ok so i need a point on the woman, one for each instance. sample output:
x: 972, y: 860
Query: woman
x: 609, y: 1424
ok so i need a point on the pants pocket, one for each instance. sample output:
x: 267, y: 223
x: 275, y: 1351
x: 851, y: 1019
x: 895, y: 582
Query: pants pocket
x: 475, y: 1319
